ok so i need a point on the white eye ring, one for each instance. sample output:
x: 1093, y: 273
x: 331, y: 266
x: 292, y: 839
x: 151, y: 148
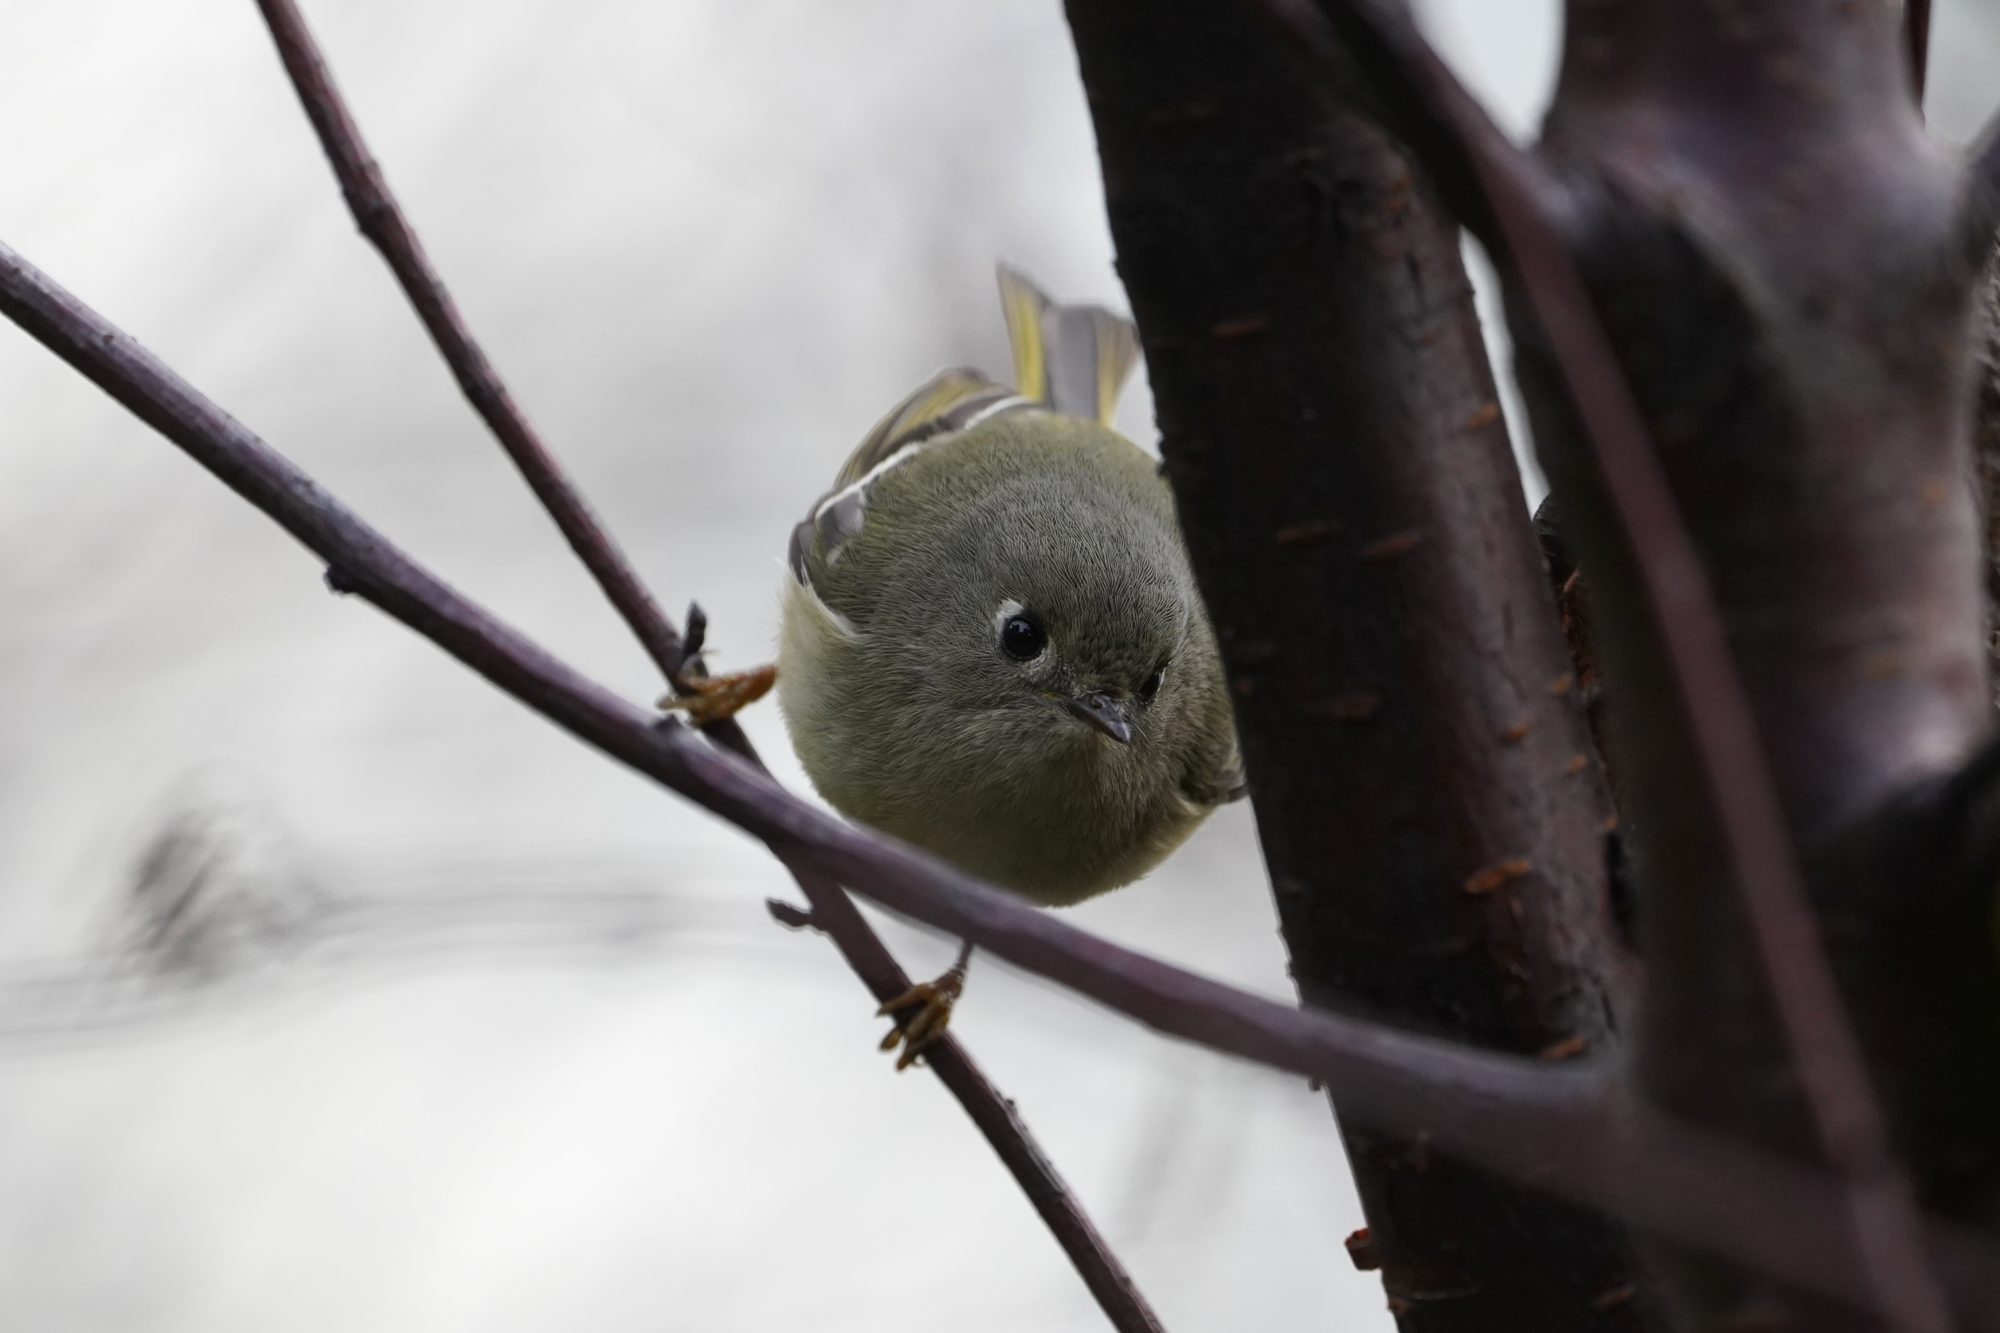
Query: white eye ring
x: 1009, y: 613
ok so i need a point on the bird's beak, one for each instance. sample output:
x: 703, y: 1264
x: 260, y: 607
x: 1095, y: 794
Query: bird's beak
x: 1102, y: 712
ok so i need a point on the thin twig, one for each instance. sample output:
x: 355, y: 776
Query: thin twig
x: 1512, y: 198
x: 1548, y: 1128
x: 1917, y: 38
x: 381, y: 220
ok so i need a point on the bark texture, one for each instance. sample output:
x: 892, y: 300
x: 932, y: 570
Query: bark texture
x: 1986, y: 452
x: 1775, y: 250
x: 1429, y: 809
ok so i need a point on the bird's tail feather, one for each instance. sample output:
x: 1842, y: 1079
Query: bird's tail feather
x: 1074, y: 358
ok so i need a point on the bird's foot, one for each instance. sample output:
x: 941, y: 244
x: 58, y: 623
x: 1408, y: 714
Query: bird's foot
x: 707, y: 699
x: 932, y: 1001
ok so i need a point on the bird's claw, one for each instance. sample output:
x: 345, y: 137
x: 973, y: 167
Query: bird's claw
x: 933, y: 1001
x: 707, y: 699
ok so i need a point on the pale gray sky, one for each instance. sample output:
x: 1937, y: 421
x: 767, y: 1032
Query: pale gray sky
x: 707, y: 243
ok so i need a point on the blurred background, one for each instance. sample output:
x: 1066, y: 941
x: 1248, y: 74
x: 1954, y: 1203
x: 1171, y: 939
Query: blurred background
x: 338, y: 992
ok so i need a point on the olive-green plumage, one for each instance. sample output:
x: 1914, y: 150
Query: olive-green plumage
x: 992, y: 643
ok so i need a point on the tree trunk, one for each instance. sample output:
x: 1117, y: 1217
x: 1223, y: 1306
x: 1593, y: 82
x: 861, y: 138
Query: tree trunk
x: 1776, y: 252
x: 1430, y: 810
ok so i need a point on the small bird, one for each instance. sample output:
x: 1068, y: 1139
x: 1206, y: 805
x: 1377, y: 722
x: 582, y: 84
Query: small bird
x: 992, y: 643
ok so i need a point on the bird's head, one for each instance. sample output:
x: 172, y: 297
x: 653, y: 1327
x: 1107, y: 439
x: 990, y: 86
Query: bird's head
x: 1065, y: 621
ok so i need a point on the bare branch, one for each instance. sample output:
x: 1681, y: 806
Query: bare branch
x: 1550, y: 1128
x: 1917, y: 40
x: 834, y: 913
x: 1511, y: 207
x: 381, y: 220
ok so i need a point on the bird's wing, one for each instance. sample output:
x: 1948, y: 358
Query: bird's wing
x: 948, y: 404
x: 1072, y: 359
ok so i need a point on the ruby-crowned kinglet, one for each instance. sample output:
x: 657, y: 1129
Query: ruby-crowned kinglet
x: 992, y: 645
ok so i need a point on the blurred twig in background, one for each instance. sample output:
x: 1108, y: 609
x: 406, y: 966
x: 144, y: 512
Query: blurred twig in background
x: 206, y: 920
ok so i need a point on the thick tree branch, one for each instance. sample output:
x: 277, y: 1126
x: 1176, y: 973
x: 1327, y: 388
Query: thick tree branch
x: 1377, y: 59
x: 1551, y: 1128
x: 381, y: 220
x: 1511, y: 204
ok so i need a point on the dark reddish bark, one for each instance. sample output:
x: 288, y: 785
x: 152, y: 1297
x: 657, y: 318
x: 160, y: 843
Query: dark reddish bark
x: 1986, y: 454
x: 1434, y: 826
x: 1777, y: 257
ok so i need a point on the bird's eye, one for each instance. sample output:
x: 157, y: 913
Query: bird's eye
x: 1151, y: 686
x: 1022, y: 638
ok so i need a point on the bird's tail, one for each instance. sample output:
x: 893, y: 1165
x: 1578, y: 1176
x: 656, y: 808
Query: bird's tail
x: 1073, y: 358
